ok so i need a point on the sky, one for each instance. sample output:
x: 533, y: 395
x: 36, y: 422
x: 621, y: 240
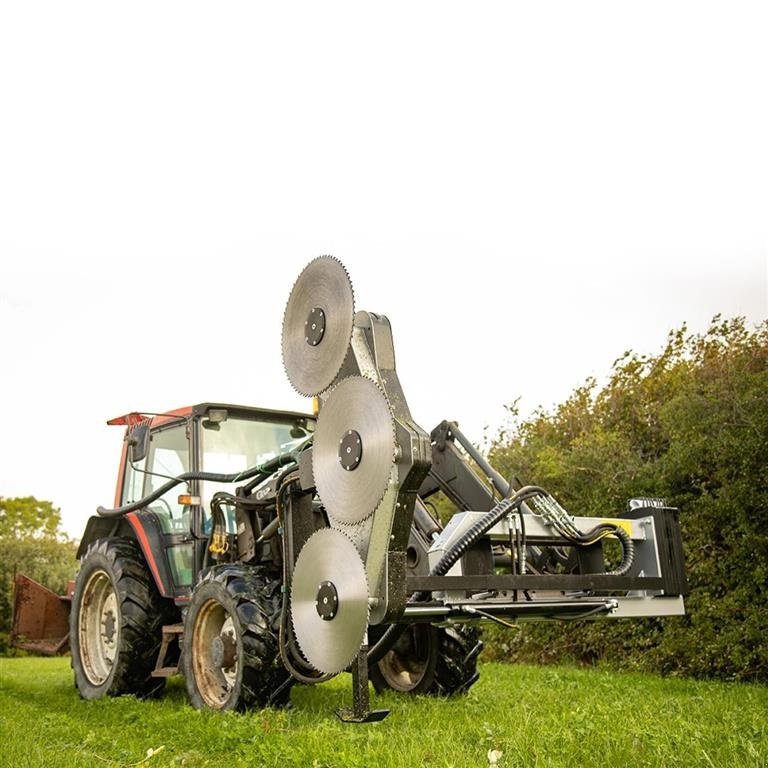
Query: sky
x: 526, y: 190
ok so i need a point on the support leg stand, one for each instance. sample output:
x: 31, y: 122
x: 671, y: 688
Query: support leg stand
x: 360, y: 712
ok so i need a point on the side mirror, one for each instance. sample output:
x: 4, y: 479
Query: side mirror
x: 138, y: 442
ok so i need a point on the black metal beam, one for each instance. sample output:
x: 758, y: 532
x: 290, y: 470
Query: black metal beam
x: 550, y: 581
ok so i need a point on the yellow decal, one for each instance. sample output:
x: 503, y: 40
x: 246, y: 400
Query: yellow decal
x: 625, y: 524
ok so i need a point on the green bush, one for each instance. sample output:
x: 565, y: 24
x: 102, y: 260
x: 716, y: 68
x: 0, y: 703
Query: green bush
x: 690, y: 425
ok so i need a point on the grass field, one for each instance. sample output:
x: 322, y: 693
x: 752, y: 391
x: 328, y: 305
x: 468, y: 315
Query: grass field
x: 553, y: 716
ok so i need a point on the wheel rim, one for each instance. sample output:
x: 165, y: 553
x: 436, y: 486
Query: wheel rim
x: 406, y: 665
x: 98, y: 627
x: 214, y: 654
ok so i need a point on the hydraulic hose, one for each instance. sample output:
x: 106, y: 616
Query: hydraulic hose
x: 214, y: 477
x: 628, y: 552
x: 384, y: 644
x: 483, y: 525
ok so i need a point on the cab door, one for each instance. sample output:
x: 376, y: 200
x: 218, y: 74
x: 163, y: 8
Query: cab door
x: 167, y: 520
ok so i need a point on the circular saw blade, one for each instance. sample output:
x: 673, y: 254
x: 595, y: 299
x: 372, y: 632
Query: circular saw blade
x: 329, y: 572
x: 317, y: 325
x: 354, y: 450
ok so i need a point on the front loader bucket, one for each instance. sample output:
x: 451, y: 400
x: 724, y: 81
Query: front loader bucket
x: 40, y: 618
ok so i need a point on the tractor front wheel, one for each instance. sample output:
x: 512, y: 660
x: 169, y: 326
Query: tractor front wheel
x: 437, y: 661
x: 115, y: 625
x: 230, y: 654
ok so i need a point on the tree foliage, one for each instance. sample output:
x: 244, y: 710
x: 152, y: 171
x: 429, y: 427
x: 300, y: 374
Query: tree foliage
x: 26, y: 517
x: 31, y: 542
x: 689, y: 424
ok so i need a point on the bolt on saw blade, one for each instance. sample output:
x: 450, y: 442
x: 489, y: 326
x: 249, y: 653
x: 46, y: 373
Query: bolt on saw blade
x: 329, y: 601
x: 317, y: 325
x: 354, y: 450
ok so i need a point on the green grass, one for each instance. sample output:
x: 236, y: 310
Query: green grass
x: 552, y: 716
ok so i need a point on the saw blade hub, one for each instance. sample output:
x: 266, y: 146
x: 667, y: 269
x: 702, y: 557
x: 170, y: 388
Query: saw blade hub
x: 314, y: 327
x: 350, y: 450
x: 327, y: 600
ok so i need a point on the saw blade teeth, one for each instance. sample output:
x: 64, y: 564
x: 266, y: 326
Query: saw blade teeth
x: 312, y: 363
x: 351, y: 526
x: 355, y: 420
x: 330, y: 646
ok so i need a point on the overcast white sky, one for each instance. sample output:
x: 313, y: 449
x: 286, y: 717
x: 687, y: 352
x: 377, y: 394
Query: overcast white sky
x: 526, y: 190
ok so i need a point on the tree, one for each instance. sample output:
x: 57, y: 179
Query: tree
x: 26, y: 517
x: 689, y: 424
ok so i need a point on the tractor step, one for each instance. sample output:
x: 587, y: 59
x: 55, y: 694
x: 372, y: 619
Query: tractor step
x: 171, y: 642
x: 166, y: 672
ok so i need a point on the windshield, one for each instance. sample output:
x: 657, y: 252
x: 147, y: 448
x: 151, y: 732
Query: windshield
x: 237, y: 444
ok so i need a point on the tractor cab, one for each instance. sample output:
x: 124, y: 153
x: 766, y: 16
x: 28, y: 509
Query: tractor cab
x: 211, y: 438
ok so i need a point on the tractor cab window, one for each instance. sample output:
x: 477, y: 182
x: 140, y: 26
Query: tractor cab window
x: 233, y: 445
x: 167, y: 458
x: 133, y: 489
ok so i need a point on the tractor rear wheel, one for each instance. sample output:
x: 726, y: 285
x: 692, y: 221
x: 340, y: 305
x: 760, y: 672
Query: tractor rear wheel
x: 437, y: 661
x: 230, y: 653
x: 115, y: 625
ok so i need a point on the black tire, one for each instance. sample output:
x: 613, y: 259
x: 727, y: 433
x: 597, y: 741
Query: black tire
x: 116, y: 622
x: 436, y: 661
x: 230, y: 655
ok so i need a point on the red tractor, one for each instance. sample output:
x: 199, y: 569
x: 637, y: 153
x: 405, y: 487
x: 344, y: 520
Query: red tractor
x: 138, y: 568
